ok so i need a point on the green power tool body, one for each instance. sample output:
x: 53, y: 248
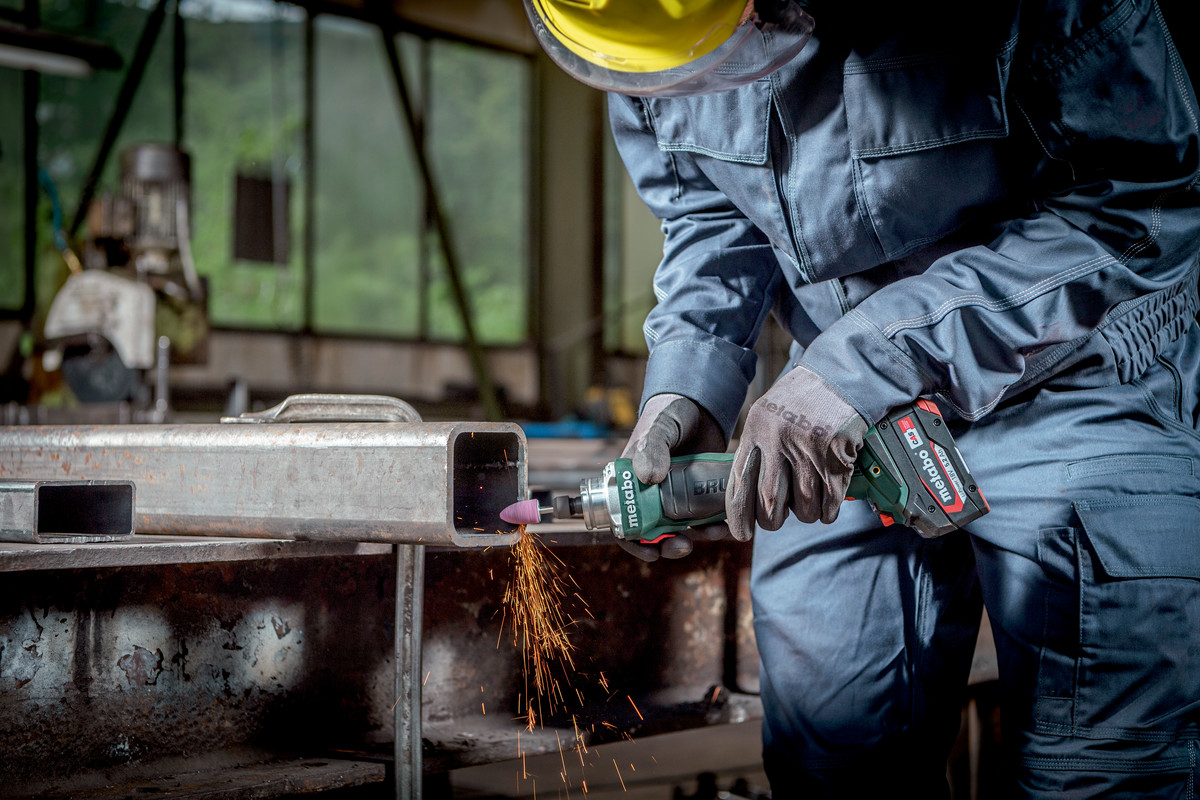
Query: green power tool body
x: 693, y: 493
x: 908, y: 469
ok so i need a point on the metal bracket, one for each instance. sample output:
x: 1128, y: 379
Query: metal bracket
x: 332, y: 408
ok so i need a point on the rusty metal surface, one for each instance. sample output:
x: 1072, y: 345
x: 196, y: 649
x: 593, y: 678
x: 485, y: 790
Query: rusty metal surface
x: 433, y: 483
x: 236, y: 774
x: 130, y: 668
x: 111, y: 668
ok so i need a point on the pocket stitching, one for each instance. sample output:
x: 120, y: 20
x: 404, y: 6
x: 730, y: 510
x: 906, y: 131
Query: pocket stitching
x: 1118, y: 464
x: 999, y: 128
x: 930, y: 144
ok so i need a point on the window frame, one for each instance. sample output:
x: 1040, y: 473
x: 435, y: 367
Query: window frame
x: 304, y: 230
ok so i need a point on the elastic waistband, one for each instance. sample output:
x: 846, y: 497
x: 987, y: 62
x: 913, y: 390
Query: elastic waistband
x: 1140, y: 332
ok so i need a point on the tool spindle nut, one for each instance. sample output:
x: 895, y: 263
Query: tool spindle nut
x: 564, y: 508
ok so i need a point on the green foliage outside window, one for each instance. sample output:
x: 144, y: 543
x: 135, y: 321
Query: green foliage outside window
x: 478, y: 145
x: 244, y: 112
x: 368, y: 191
x: 12, y: 192
x: 377, y: 269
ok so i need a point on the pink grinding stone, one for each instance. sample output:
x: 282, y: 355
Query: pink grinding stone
x: 523, y: 513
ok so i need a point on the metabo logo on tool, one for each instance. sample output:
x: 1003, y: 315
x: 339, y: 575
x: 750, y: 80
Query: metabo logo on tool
x: 629, y: 500
x: 910, y: 433
x: 943, y: 481
x: 953, y: 501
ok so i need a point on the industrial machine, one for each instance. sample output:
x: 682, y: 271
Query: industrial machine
x: 134, y: 301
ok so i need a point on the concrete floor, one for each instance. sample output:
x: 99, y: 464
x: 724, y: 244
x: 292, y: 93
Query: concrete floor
x: 647, y: 769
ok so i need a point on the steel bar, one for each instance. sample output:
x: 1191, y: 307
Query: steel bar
x: 403, y: 482
x: 410, y: 603
x: 72, y: 512
x: 147, y: 550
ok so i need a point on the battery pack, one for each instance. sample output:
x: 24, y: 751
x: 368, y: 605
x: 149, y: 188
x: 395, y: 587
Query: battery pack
x: 913, y: 444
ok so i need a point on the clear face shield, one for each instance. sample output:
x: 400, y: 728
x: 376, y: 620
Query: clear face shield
x: 724, y: 56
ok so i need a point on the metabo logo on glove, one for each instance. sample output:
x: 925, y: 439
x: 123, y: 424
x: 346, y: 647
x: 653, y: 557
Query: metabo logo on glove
x: 799, y: 420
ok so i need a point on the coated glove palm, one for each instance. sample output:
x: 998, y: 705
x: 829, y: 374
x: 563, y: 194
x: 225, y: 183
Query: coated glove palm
x: 671, y: 425
x: 797, y: 451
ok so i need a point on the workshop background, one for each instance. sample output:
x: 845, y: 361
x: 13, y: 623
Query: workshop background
x: 283, y: 214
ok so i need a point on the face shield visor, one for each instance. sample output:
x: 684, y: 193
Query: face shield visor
x: 668, y: 48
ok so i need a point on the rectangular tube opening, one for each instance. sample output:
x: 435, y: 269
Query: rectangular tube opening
x: 102, y: 510
x: 487, y: 477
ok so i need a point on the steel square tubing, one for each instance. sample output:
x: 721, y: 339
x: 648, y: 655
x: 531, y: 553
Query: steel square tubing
x: 65, y: 511
x: 441, y: 483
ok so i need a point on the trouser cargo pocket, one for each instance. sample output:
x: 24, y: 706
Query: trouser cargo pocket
x: 1120, y: 658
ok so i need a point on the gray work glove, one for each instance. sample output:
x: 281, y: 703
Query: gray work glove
x: 671, y: 425
x: 797, y: 451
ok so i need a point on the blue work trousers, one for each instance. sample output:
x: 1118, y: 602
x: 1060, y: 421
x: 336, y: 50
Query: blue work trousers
x: 1089, y: 567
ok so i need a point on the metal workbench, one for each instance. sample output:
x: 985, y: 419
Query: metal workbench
x: 231, y: 667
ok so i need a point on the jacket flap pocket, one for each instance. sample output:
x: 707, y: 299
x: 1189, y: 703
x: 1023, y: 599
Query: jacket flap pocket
x: 1147, y: 536
x: 902, y: 105
x: 731, y: 126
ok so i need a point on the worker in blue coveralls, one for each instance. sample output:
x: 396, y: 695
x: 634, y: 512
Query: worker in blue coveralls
x: 993, y: 205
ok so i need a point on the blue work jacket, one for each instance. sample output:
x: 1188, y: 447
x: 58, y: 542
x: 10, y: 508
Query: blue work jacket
x: 947, y: 199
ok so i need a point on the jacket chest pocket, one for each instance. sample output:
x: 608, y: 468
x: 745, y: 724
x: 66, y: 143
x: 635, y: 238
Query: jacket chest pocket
x: 925, y: 135
x: 727, y: 138
x: 729, y: 126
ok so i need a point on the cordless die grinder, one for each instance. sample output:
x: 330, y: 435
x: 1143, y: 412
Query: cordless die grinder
x: 908, y: 469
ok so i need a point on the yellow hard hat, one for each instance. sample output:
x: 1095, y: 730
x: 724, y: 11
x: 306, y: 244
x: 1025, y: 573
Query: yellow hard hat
x: 642, y: 36
x: 668, y: 47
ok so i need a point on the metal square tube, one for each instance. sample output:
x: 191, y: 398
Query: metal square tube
x: 440, y: 483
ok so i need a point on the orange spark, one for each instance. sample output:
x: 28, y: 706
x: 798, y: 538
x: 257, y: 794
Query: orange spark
x: 635, y: 708
x: 533, y: 600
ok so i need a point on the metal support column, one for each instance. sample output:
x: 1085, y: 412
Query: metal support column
x: 30, y: 90
x: 410, y: 603
x: 309, y: 135
x: 129, y: 87
x: 178, y: 68
x: 487, y: 392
